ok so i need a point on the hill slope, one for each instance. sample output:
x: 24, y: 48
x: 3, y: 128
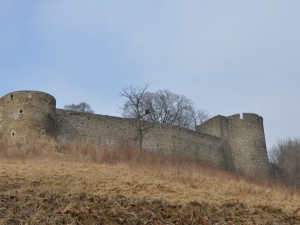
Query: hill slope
x: 58, y: 192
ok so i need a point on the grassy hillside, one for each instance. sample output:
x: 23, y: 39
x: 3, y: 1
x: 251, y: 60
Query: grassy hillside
x: 49, y: 184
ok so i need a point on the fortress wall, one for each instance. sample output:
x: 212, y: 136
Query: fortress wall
x: 228, y: 142
x: 245, y: 138
x: 205, y: 148
x: 190, y: 144
x: 216, y: 126
x: 96, y: 129
x: 248, y: 147
x: 161, y: 138
x: 27, y: 114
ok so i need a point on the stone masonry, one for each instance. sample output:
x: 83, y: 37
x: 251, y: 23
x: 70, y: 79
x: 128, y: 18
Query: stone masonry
x: 232, y: 143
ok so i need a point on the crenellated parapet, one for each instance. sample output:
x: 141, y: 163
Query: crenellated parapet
x: 246, y: 138
x: 248, y: 145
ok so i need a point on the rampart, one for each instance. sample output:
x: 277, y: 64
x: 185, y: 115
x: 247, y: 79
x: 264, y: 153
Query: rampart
x: 246, y: 139
x: 25, y: 114
x: 227, y: 142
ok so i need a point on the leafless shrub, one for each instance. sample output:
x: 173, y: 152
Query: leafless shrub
x: 81, y: 107
x: 285, y: 161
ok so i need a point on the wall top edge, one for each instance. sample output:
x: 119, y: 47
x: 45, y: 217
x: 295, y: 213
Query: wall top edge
x: 27, y: 92
x: 246, y: 116
x: 129, y: 120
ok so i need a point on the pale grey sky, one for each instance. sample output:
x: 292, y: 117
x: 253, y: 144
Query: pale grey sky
x: 226, y: 56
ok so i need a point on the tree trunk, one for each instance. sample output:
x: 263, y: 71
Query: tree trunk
x: 140, y: 134
x: 141, y: 145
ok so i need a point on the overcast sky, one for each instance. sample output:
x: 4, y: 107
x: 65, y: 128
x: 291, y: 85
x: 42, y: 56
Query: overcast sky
x: 226, y: 56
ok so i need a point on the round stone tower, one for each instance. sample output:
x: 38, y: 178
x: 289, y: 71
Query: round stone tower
x: 27, y: 114
x: 248, y: 146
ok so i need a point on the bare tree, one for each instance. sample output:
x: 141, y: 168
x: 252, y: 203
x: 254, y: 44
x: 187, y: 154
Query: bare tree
x: 166, y: 107
x: 161, y: 106
x: 135, y: 108
x: 200, y: 117
x: 285, y: 161
x: 81, y: 107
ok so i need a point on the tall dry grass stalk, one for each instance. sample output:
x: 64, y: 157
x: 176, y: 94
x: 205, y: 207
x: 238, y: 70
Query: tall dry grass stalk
x: 123, y: 154
x: 83, y: 152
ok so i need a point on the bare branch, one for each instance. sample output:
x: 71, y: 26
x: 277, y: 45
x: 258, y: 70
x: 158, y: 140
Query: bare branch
x: 134, y: 108
x: 285, y: 161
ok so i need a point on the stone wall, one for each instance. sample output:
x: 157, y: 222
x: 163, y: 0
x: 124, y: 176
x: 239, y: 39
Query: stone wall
x: 93, y: 128
x: 206, y: 148
x: 248, y: 146
x: 27, y: 114
x: 216, y: 126
x: 246, y: 140
x: 161, y: 138
x: 227, y: 142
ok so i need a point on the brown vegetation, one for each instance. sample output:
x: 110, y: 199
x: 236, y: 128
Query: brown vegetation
x: 285, y: 161
x: 49, y: 183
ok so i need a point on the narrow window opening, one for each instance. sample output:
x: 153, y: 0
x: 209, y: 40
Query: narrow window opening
x: 81, y: 123
x: 241, y: 116
x: 20, y: 110
x: 13, y: 133
x: 11, y: 97
x: 43, y: 133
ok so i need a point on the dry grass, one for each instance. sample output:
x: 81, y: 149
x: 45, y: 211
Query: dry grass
x: 46, y: 182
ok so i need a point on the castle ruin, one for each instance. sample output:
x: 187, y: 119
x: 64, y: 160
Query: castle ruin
x: 232, y: 143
